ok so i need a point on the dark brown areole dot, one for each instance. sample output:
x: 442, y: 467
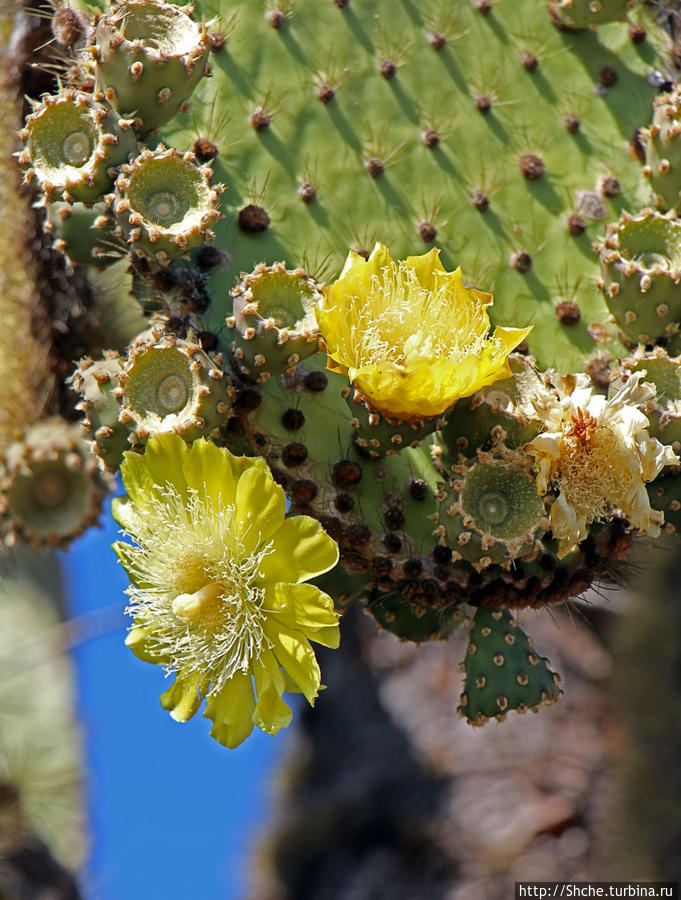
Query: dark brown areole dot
x: 636, y: 148
x: 572, y: 124
x: 523, y: 348
x: 247, y: 399
x: 204, y: 149
x: 483, y: 104
x: 599, y: 372
x: 387, y: 69
x: 392, y: 543
x: 358, y: 535
x: 431, y: 590
x: 610, y: 186
x: 480, y: 200
x: 412, y: 568
x: 260, y: 118
x: 394, y: 518
x: 209, y: 257
x: 208, y: 341
x: 292, y: 419
x: 344, y: 503
x: 341, y: 4
x: 418, y: 489
x: 67, y: 26
x: 307, y: 192
x: 427, y: 232
x: 177, y: 326
x: 375, y: 167
x: 430, y: 138
x: 442, y: 554
x: 253, y: 219
x: 521, y: 261
x: 529, y: 61
x: 277, y: 19
x: 483, y: 6
x: 315, y: 381
x: 333, y: 527
x: 294, y: 454
x: 345, y: 473
x: 568, y: 313
x: 531, y: 167
x: 409, y: 588
x: 325, y: 93
x: 607, y: 77
x: 234, y: 426
x: 436, y: 40
x: 575, y: 225
x: 216, y: 41
x: 382, y: 566
x: 303, y: 491
x: 637, y: 34
x: 260, y: 440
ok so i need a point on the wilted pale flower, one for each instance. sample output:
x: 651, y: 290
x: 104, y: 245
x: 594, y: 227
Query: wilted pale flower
x: 410, y: 336
x: 216, y: 594
x: 598, y: 454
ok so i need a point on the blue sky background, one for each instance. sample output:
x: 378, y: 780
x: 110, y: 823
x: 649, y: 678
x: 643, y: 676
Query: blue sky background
x: 172, y: 813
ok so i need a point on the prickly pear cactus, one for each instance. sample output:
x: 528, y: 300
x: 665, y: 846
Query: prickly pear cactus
x: 383, y: 360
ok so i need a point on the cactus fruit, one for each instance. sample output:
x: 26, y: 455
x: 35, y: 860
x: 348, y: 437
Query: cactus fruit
x: 149, y: 58
x: 274, y: 319
x: 663, y: 150
x: 503, y: 672
x: 84, y: 233
x: 171, y: 385
x: 584, y: 13
x: 72, y: 142
x: 95, y: 382
x: 641, y: 277
x: 50, y: 487
x: 164, y: 204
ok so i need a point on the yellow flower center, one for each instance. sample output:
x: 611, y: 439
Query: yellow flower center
x: 401, y: 321
x: 594, y: 471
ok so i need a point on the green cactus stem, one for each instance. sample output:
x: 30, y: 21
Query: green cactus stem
x: 641, y: 276
x: 168, y: 384
x: 503, y: 672
x: 164, y: 203
x: 578, y: 14
x: 149, y: 58
x: 664, y: 410
x: 51, y: 489
x: 662, y: 146
x: 665, y: 495
x: 274, y: 320
x: 73, y: 141
x: 418, y: 623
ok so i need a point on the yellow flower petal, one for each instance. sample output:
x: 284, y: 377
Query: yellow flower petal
x: 182, y: 699
x: 231, y: 711
x: 164, y: 457
x: 260, y: 506
x: 209, y: 471
x: 301, y: 606
x: 302, y: 550
x: 294, y: 654
x: 138, y: 641
x: 271, y: 712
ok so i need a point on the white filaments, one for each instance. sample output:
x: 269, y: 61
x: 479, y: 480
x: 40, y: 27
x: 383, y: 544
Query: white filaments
x: 435, y: 322
x: 201, y: 604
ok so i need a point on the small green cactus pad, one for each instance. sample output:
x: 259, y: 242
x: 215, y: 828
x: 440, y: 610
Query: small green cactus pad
x: 274, y: 320
x: 662, y: 146
x: 502, y: 411
x: 164, y: 204
x: 664, y: 411
x: 84, y: 233
x: 375, y: 435
x: 149, y: 57
x: 95, y: 382
x: 72, y: 142
x: 641, y: 276
x: 414, y: 621
x: 503, y: 672
x: 51, y: 489
x: 363, y: 121
x: 168, y: 384
x: 584, y: 13
x: 665, y: 495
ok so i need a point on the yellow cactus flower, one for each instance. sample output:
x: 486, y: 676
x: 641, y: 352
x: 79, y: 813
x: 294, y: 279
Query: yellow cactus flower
x: 410, y: 336
x: 596, y: 452
x: 217, y: 595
